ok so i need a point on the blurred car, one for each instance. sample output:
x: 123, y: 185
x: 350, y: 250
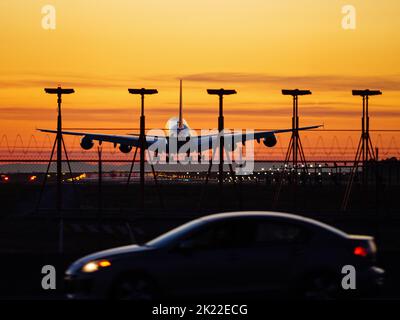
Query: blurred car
x: 250, y: 253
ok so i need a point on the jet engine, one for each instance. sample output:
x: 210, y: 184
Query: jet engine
x: 87, y: 143
x: 270, y: 141
x: 124, y: 148
x: 230, y: 147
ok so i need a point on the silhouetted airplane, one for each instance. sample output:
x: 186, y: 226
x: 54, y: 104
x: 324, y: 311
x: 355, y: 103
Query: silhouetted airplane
x: 178, y: 127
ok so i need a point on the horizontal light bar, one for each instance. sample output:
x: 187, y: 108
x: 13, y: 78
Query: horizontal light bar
x: 221, y: 92
x: 367, y: 92
x: 59, y: 90
x: 295, y: 92
x: 143, y: 91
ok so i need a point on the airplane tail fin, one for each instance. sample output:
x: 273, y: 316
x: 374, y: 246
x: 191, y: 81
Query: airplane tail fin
x: 180, y: 121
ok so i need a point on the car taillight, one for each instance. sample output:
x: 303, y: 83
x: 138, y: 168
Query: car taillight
x: 360, y: 251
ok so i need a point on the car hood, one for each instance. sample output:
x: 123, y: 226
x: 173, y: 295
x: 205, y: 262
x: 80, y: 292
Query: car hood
x: 106, y: 254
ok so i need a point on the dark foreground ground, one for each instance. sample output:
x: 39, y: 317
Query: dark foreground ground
x: 30, y: 237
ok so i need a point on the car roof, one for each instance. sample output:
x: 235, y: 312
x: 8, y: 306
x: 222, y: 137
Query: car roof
x: 269, y: 214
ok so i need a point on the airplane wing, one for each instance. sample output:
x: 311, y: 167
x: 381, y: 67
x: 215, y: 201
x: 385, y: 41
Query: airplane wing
x: 258, y: 135
x: 202, y: 141
x: 262, y: 133
x: 129, y: 140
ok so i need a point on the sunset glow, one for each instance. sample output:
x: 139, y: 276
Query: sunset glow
x: 101, y: 48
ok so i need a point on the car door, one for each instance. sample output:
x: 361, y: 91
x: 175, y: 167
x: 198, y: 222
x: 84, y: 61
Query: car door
x: 265, y: 254
x: 201, y: 263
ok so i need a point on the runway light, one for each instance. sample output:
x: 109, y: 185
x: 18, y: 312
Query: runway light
x: 367, y: 92
x: 58, y: 91
x: 142, y: 91
x: 296, y: 92
x: 220, y: 92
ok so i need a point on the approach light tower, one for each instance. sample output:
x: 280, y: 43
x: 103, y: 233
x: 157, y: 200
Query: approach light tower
x: 221, y: 93
x: 60, y: 144
x: 295, y: 146
x: 365, y: 150
x: 59, y: 92
x: 142, y: 136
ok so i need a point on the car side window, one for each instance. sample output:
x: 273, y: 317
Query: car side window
x: 201, y: 239
x: 247, y: 233
x: 280, y: 233
x: 219, y: 235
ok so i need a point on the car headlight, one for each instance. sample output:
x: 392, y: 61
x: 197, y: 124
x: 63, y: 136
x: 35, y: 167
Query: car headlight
x: 93, y: 266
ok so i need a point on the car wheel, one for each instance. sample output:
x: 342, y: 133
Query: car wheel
x: 133, y: 289
x: 320, y: 287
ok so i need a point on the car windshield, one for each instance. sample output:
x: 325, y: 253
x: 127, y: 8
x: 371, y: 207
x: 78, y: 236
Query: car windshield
x: 175, y: 234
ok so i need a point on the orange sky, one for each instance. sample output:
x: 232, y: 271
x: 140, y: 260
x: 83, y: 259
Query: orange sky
x: 257, y: 47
